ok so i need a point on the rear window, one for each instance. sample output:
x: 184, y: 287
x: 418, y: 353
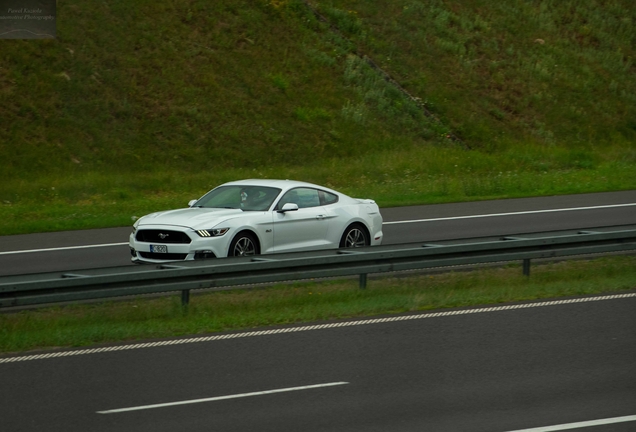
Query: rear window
x: 327, y: 198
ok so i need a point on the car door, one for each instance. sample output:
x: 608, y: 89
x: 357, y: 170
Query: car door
x: 302, y: 229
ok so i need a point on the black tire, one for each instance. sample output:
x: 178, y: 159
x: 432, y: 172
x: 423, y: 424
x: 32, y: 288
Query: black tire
x: 244, y: 244
x: 354, y: 236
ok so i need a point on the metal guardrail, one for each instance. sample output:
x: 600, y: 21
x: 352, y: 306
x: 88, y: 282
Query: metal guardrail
x: 228, y: 273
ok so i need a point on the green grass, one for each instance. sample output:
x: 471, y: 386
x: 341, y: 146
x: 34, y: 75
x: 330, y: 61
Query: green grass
x: 89, y: 324
x: 555, y: 72
x: 415, y: 175
x: 141, y: 106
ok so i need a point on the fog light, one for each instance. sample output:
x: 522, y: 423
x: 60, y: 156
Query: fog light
x: 204, y: 254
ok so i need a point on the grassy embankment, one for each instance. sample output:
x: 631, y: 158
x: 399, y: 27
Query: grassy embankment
x: 141, y: 106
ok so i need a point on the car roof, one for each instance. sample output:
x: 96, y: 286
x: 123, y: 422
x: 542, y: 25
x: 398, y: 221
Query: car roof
x: 282, y: 184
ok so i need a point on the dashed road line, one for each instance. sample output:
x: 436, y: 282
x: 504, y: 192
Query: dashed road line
x: 219, y: 398
x: 62, y: 248
x: 578, y: 425
x: 509, y: 214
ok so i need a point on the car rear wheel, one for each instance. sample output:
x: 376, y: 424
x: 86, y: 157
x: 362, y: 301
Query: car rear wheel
x: 355, y: 236
x: 244, y: 244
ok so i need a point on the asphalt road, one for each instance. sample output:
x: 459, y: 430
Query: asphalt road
x: 75, y: 250
x: 499, y: 369
x: 528, y: 367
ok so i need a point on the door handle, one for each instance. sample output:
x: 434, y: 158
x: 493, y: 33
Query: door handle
x: 320, y: 217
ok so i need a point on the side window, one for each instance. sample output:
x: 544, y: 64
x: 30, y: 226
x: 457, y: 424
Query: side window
x: 327, y: 198
x: 304, y: 197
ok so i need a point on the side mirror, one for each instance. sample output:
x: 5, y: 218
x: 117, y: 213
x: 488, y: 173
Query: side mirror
x: 191, y: 203
x: 288, y: 207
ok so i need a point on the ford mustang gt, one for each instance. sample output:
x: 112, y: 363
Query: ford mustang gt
x: 251, y: 217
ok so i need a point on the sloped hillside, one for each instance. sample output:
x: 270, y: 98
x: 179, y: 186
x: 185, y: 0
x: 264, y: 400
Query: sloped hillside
x: 407, y: 101
x: 207, y: 85
x: 550, y: 72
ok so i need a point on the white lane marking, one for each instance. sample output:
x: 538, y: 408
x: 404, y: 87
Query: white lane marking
x: 284, y: 330
x: 580, y: 424
x: 218, y: 398
x: 62, y: 248
x: 509, y: 214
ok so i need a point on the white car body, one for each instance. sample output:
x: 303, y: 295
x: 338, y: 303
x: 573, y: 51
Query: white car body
x: 291, y: 216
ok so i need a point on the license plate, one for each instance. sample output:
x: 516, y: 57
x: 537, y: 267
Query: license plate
x: 159, y: 248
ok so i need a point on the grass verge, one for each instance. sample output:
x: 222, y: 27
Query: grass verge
x: 121, y: 321
x: 413, y: 175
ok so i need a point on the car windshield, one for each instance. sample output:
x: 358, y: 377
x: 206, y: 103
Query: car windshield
x: 247, y: 198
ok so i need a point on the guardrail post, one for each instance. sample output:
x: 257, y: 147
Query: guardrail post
x: 363, y: 281
x: 185, y: 297
x: 526, y: 267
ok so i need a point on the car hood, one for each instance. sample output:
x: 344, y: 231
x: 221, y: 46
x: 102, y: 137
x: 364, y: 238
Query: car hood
x: 191, y: 217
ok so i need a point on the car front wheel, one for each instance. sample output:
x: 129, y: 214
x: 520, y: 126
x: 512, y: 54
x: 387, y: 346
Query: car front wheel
x: 355, y: 236
x: 244, y: 244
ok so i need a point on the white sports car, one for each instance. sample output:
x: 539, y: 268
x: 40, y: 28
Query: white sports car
x: 251, y: 217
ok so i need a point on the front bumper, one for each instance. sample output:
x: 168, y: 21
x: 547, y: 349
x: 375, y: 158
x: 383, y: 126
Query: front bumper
x: 158, y: 252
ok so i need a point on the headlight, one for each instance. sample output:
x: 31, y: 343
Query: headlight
x: 216, y: 232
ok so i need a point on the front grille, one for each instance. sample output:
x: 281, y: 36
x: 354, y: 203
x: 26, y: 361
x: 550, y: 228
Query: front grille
x: 164, y: 256
x: 162, y: 236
